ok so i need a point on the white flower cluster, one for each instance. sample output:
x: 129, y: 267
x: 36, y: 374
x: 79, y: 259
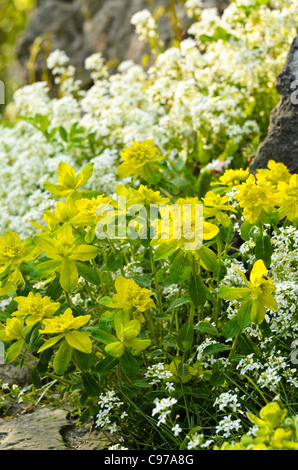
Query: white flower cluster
x: 163, y: 408
x: 108, y: 402
x: 227, y: 425
x: 158, y: 373
x: 227, y: 400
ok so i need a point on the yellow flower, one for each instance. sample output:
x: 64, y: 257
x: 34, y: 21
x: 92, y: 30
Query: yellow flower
x: 275, y: 172
x: 12, y: 330
x: 183, y: 227
x: 69, y: 181
x: 260, y: 291
x: 36, y: 307
x: 214, y: 205
x: 64, y: 212
x: 288, y: 197
x: 126, y: 335
x: 87, y: 208
x: 132, y: 297
x: 13, y: 250
x: 62, y: 250
x: 232, y: 178
x: 256, y: 196
x: 136, y: 157
x: 66, y: 326
x: 257, y: 292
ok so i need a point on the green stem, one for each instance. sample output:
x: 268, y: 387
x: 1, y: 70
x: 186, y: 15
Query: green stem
x: 158, y: 293
x: 234, y: 345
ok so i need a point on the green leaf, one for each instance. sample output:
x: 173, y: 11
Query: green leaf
x: 197, y: 290
x: 180, y: 268
x: 69, y: 275
x: 217, y: 378
x: 115, y: 349
x: 114, y: 261
x: 83, y: 360
x: 45, y: 269
x: 103, y: 336
x: 185, y: 299
x: 215, y: 348
x: 142, y: 281
x: 14, y: 350
x: 206, y: 327
x: 185, y: 337
x: 263, y: 248
x: 231, y: 328
x: 232, y: 293
x: 245, y: 230
x: 243, y: 315
x: 79, y: 340
x: 88, y: 273
x: 44, y: 359
x: 106, y: 364
x: 164, y: 250
x: 35, y: 378
x: 129, y: 363
x: 208, y: 258
x: 62, y: 358
x: 91, y: 384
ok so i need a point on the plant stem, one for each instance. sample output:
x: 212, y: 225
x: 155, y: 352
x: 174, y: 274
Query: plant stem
x: 153, y: 268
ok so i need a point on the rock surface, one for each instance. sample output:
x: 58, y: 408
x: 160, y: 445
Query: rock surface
x: 83, y: 27
x: 281, y: 143
x: 45, y: 428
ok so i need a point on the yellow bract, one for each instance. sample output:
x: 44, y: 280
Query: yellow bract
x: 12, y: 330
x: 65, y: 326
x: 36, y: 307
x: 69, y: 181
x: 288, y: 198
x: 133, y: 297
x: 136, y: 157
x: 261, y: 289
x: 232, y: 177
x: 13, y: 250
x: 275, y: 172
x: 256, y: 196
x: 215, y: 205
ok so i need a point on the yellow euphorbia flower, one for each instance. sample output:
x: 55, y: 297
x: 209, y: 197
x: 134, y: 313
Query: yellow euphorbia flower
x: 260, y: 291
x: 136, y: 157
x: 288, y: 197
x: 12, y: 330
x: 35, y: 307
x: 232, y: 177
x: 66, y: 326
x: 13, y: 250
x: 63, y: 249
x: 69, y: 181
x: 275, y: 173
x: 182, y: 226
x: 130, y: 296
x: 126, y: 336
x: 64, y: 212
x: 214, y: 205
x: 143, y: 195
x: 256, y: 196
x: 88, y: 208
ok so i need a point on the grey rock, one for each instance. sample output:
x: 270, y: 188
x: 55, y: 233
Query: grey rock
x: 46, y: 428
x: 12, y: 374
x: 83, y: 27
x: 61, y: 26
x: 281, y: 143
